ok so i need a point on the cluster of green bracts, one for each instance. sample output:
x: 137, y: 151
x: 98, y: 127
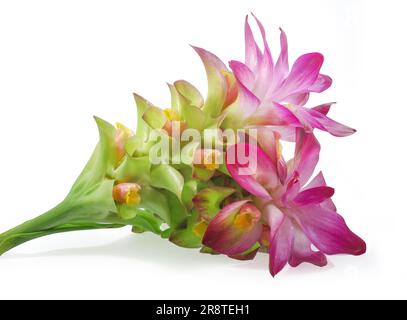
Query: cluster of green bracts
x: 121, y: 186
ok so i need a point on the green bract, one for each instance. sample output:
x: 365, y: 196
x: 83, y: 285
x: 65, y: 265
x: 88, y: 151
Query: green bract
x: 174, y: 199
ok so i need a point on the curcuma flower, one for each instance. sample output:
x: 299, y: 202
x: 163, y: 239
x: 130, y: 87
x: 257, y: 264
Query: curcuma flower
x: 295, y: 215
x: 275, y: 82
x: 269, y: 93
x: 169, y: 176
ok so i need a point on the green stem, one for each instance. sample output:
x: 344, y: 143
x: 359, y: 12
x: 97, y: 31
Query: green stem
x: 57, y: 220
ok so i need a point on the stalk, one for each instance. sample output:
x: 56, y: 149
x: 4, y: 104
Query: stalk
x: 62, y: 218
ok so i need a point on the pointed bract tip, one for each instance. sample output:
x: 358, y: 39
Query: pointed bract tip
x: 200, y: 51
x: 137, y: 97
x: 99, y: 120
x: 363, y: 248
x: 282, y: 32
x: 273, y: 273
x: 196, y: 48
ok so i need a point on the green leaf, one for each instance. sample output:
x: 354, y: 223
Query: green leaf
x: 146, y: 221
x: 212, y: 138
x: 140, y: 143
x: 166, y: 177
x: 217, y: 89
x: 208, y: 250
x: 175, y: 96
x: 178, y: 213
x: 189, y: 192
x: 208, y: 201
x: 194, y: 116
x: 188, y: 152
x: 190, y: 92
x: 161, y: 150
x: 223, y: 169
x: 102, y: 161
x: 155, y: 117
x: 217, y: 84
x: 203, y: 174
x: 127, y: 212
x: 155, y: 201
x: 133, y: 169
x: 186, y: 237
x: 234, y: 119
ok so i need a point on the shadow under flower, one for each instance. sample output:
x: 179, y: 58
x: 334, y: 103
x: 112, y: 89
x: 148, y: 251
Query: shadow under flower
x: 148, y: 247
x: 143, y: 247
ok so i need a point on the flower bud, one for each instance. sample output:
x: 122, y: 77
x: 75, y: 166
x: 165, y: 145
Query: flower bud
x: 209, y: 159
x: 127, y: 193
x: 247, y: 217
x: 174, y: 125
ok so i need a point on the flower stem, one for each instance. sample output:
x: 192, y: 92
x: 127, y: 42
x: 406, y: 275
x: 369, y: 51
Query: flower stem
x: 57, y: 220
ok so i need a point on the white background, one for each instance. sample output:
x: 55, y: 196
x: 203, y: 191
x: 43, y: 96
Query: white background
x: 61, y: 62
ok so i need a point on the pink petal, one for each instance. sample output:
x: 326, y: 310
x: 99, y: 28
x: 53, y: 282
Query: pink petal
x: 292, y: 188
x: 303, y: 75
x: 267, y: 52
x: 274, y: 217
x: 319, y: 181
x: 223, y: 236
x: 298, y: 99
x: 306, y: 155
x: 247, y: 101
x: 252, y: 169
x: 274, y: 114
x: 209, y: 59
x: 282, y: 170
x: 335, y: 128
x: 253, y: 54
x: 314, y: 196
x: 324, y: 108
x: 243, y: 74
x: 281, y: 246
x: 322, y: 83
x: 267, y: 139
x: 302, y: 251
x: 287, y: 133
x: 282, y: 68
x: 239, y: 111
x: 328, y: 231
x: 264, y: 71
x: 308, y: 121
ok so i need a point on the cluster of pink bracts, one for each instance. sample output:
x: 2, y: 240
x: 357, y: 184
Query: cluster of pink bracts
x: 291, y: 217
